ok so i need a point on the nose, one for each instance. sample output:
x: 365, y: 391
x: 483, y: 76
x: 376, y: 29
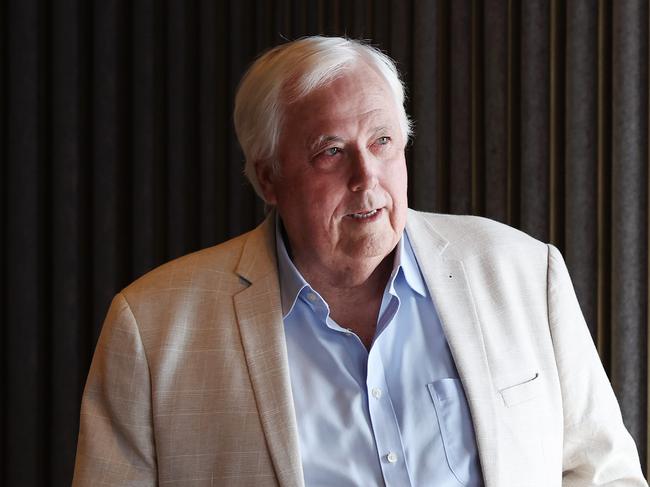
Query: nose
x: 363, y: 173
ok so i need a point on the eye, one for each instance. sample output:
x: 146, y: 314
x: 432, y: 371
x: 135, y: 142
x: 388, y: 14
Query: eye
x: 383, y: 140
x: 332, y: 151
x: 328, y: 157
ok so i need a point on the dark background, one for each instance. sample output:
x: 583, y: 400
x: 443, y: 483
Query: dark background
x: 117, y: 153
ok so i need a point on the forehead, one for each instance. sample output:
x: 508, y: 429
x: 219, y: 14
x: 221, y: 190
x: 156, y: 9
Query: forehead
x: 358, y: 98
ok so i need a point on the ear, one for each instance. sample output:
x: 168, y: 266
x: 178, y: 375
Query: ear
x: 267, y: 180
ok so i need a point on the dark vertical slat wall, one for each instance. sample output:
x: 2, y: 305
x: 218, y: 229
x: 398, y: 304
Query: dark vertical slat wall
x: 426, y: 88
x: 401, y: 38
x: 210, y: 52
x: 65, y: 331
x: 629, y: 210
x: 514, y: 129
x: 477, y: 149
x: 3, y: 178
x: 148, y: 239
x: 493, y: 98
x: 118, y: 153
x: 240, y: 36
x: 181, y: 134
x: 604, y: 146
x: 533, y: 192
x: 580, y: 193
x: 557, y: 80
x: 459, y: 80
x: 110, y: 178
x: 24, y: 420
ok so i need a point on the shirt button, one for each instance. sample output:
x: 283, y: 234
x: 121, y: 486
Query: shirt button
x: 392, y: 457
x: 376, y: 392
x: 311, y: 297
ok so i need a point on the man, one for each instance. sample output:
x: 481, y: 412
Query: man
x: 349, y: 340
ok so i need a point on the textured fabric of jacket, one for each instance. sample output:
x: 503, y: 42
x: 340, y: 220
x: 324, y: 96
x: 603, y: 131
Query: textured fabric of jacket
x: 189, y: 385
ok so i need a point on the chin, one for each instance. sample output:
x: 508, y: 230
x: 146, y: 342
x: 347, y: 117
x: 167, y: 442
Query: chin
x: 375, y: 246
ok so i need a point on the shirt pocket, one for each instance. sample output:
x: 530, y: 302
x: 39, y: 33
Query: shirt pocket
x: 456, y: 430
x: 522, y: 392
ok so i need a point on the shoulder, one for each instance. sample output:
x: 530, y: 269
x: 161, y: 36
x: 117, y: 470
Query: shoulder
x: 208, y: 276
x: 187, y: 299
x: 467, y: 236
x: 194, y: 270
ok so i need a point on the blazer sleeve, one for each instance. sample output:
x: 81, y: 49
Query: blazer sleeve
x: 116, y: 441
x: 598, y: 450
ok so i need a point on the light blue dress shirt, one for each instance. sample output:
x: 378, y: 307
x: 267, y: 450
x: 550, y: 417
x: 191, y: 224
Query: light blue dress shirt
x: 395, y: 415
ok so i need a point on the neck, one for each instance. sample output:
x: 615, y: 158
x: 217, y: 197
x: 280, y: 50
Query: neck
x: 354, y: 299
x: 355, y: 282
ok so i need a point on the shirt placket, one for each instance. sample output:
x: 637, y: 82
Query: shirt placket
x: 383, y: 419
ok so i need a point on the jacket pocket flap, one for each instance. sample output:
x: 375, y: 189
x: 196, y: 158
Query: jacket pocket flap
x: 522, y: 392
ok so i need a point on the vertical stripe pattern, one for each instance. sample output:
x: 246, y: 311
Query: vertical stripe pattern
x: 117, y: 153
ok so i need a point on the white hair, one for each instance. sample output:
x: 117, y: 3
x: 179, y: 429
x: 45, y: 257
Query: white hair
x: 289, y: 72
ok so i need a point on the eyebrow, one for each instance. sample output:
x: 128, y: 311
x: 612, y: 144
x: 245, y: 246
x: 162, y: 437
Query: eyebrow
x: 325, y: 139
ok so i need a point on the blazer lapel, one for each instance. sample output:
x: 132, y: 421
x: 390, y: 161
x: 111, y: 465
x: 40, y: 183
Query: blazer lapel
x: 453, y: 301
x: 259, y: 315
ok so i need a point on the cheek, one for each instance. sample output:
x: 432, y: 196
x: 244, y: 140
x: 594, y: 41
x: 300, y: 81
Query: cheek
x: 313, y: 205
x: 398, y: 181
x: 325, y: 194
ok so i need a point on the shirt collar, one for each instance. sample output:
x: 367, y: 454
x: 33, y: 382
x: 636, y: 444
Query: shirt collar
x: 406, y: 259
x: 292, y: 283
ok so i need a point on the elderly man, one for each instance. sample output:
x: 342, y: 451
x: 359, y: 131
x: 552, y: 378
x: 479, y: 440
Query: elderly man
x: 349, y: 341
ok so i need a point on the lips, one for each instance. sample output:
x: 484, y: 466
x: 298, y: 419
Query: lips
x: 364, y: 215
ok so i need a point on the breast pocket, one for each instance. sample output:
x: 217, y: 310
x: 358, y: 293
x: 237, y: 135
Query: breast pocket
x: 456, y: 430
x: 522, y: 392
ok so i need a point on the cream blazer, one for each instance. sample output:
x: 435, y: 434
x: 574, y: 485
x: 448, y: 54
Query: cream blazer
x: 189, y: 384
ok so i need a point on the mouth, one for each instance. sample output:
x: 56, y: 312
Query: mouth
x: 365, y: 215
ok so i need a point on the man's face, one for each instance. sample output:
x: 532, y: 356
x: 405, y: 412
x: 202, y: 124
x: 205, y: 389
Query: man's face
x: 341, y: 191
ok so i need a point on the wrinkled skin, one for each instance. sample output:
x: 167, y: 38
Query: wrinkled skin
x: 341, y: 190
